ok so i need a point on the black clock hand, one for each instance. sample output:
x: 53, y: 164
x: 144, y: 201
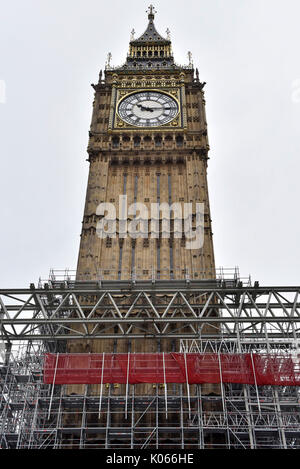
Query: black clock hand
x: 143, y: 108
x: 164, y: 108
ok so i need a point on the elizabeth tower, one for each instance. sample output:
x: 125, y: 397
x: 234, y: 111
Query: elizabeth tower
x: 148, y: 145
x: 148, y: 141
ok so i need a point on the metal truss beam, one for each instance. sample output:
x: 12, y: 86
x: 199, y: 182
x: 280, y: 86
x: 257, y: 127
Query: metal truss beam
x: 145, y: 309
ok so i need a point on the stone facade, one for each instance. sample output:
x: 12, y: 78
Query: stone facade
x: 166, y: 164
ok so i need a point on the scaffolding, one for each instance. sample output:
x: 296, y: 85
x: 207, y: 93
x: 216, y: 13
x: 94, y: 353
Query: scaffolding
x: 228, y: 275
x: 243, y: 320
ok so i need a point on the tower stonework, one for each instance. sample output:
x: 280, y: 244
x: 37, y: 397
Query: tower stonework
x: 148, y: 142
x: 147, y: 145
x: 151, y: 153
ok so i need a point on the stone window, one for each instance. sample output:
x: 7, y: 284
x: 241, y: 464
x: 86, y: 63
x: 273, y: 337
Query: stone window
x: 179, y: 140
x: 137, y: 141
x: 115, y: 142
x: 158, y: 141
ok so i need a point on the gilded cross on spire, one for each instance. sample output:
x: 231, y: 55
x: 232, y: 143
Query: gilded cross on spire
x: 151, y: 12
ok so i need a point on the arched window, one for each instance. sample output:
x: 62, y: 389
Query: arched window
x: 126, y: 138
x: 137, y: 141
x: 115, y: 142
x: 158, y: 141
x: 179, y: 140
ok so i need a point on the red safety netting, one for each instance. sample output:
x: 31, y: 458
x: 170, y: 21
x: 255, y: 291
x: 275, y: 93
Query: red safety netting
x: 194, y: 368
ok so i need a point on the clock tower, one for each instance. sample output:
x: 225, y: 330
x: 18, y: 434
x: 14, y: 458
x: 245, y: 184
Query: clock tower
x: 148, y: 145
x: 148, y: 154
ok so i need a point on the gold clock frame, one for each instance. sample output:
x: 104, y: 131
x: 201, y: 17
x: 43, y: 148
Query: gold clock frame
x: 175, y: 123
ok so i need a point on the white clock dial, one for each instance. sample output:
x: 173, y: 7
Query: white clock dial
x: 148, y: 109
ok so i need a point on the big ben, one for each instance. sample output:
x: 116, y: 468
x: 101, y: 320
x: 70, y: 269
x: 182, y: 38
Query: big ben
x: 148, y: 147
x: 148, y: 141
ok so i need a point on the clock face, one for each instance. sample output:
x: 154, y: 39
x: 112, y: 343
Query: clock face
x: 148, y: 109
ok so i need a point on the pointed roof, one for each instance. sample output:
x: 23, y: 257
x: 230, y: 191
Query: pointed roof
x: 158, y: 56
x: 151, y: 34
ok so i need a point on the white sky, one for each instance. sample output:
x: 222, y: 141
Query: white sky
x: 248, y: 53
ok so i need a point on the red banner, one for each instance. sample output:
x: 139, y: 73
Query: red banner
x: 194, y: 368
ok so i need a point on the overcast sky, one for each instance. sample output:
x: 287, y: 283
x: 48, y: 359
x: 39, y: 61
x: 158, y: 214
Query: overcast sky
x: 247, y: 52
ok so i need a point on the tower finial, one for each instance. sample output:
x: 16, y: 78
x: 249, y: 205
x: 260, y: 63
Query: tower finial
x: 151, y: 12
x: 109, y: 57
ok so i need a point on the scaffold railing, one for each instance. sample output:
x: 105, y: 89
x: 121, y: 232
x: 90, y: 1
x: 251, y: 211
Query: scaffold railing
x: 230, y: 276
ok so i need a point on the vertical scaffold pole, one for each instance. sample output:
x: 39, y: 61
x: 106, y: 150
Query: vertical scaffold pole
x: 223, y: 398
x: 101, y: 385
x: 165, y: 385
x: 187, y: 385
x: 280, y: 420
x: 132, y: 417
x: 53, y: 383
x: 127, y: 377
x: 256, y: 388
x: 221, y: 381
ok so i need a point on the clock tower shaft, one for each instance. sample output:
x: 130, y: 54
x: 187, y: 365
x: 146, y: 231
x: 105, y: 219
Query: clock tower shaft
x: 148, y: 154
x: 160, y: 164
